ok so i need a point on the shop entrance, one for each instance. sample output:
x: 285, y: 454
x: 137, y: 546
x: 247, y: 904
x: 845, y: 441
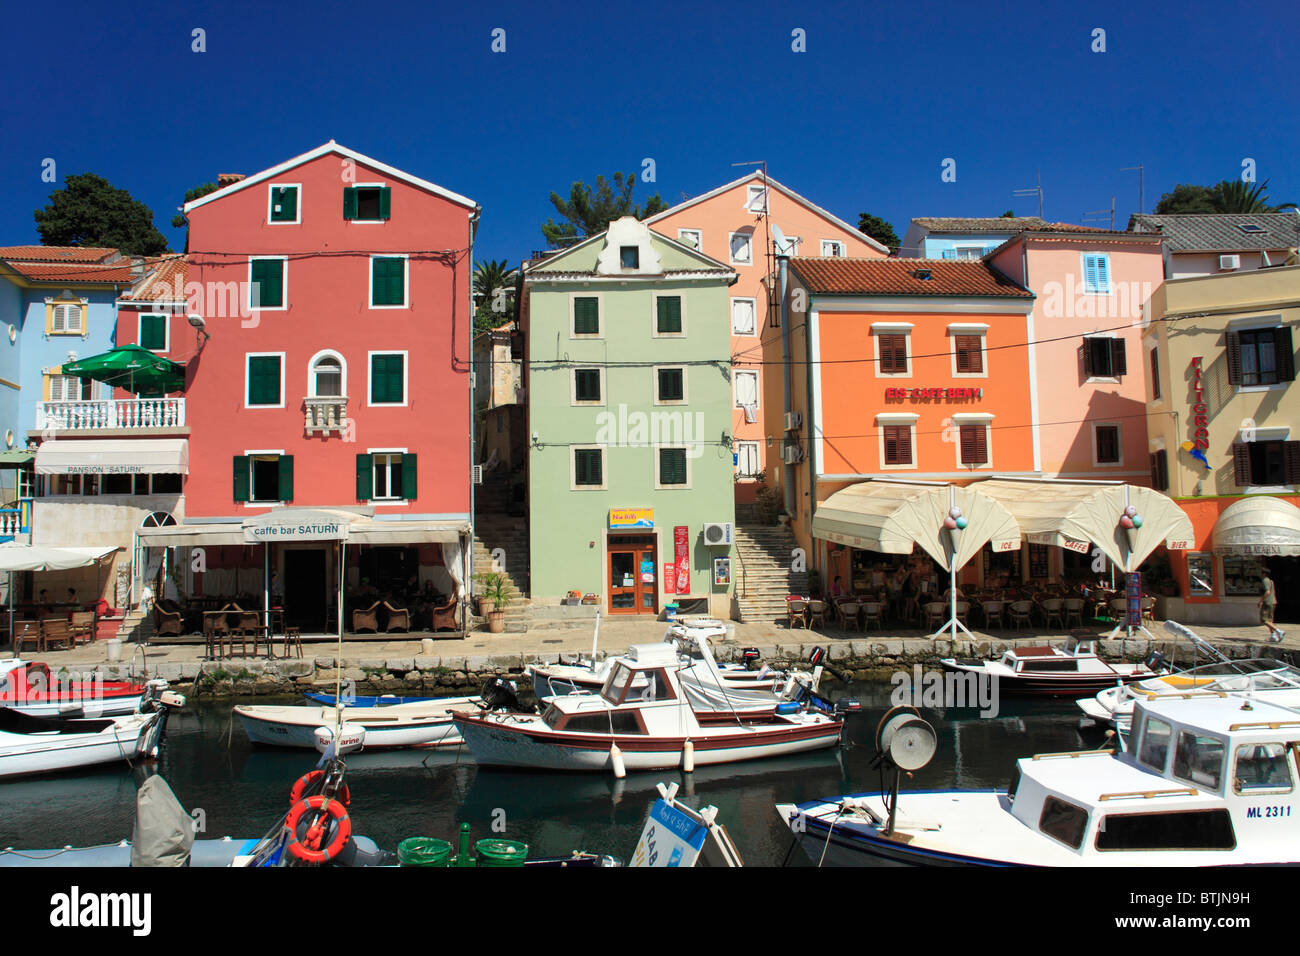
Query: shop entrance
x: 1285, y: 573
x: 632, y: 575
x: 304, y: 589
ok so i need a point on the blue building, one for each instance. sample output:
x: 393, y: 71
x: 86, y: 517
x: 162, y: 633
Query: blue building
x: 953, y: 238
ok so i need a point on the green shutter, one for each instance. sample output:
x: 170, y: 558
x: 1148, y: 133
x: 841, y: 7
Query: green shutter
x: 349, y: 202
x: 286, y: 477
x: 268, y: 276
x: 264, y: 380
x: 586, y: 315
x: 286, y: 198
x: 670, y: 314
x: 410, y: 486
x: 153, y: 332
x: 388, y: 281
x: 672, y: 466
x: 586, y: 467
x: 241, y: 477
x: 386, y: 374
x: 385, y: 202
x: 670, y: 384
x: 365, y: 477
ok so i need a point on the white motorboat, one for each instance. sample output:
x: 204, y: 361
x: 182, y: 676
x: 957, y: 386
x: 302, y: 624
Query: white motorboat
x: 641, y: 720
x: 30, y: 688
x: 418, y: 724
x: 1049, y: 671
x: 1210, y: 782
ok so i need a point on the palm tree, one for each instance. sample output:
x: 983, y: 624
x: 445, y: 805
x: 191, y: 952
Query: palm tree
x: 1235, y: 196
x: 490, y: 276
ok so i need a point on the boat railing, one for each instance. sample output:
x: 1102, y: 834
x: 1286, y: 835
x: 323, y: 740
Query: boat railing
x: 1074, y: 753
x: 1150, y: 794
x: 1180, y: 694
x: 1264, y: 725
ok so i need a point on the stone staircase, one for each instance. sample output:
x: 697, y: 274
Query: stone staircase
x: 762, y: 572
x: 137, y: 627
x: 509, y: 534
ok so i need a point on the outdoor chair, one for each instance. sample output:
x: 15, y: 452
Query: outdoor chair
x: 933, y: 614
x: 849, y: 614
x: 367, y: 620
x: 795, y: 611
x: 444, y: 616
x: 1052, y: 611
x: 399, y: 618
x: 993, y: 613
x: 873, y: 611
x: 166, y: 621
x: 1118, y: 608
x: 1149, y: 609
x: 27, y: 632
x: 1020, y: 611
x: 1073, y: 610
x: 82, y: 627
x: 816, y: 613
x: 56, y: 630
x: 963, y: 612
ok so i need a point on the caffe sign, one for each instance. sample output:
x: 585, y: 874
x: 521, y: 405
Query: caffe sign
x: 303, y: 525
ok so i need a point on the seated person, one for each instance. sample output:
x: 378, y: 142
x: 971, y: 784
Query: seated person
x: 72, y: 596
x: 837, y: 587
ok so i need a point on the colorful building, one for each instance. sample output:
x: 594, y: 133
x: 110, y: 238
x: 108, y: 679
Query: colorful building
x: 1224, y: 411
x: 1206, y: 244
x: 630, y: 423
x: 742, y: 224
x: 948, y: 237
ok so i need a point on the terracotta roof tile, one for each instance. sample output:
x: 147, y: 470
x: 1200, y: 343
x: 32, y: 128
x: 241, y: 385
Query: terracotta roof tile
x: 89, y: 272
x: 937, y: 277
x: 57, y: 253
x: 164, y: 279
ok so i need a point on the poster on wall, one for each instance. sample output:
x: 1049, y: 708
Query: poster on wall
x: 721, y: 572
x: 1133, y: 594
x: 682, y: 558
x: 647, y: 572
x: 670, y: 578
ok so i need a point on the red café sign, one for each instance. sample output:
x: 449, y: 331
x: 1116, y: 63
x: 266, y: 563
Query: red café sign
x: 922, y: 394
x: 1200, y: 422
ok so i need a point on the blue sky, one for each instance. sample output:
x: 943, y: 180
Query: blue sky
x: 861, y: 121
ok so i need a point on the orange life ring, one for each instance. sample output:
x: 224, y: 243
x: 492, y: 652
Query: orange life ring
x: 307, y: 780
x: 308, y: 848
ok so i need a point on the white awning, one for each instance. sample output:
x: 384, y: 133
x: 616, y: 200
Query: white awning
x: 1075, y: 515
x: 26, y: 557
x: 406, y: 532
x: 122, y: 456
x: 302, y: 524
x: 191, y: 535
x: 1260, y: 524
x: 892, y: 516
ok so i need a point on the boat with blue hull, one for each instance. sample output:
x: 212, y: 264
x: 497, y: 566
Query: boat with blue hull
x: 385, y: 700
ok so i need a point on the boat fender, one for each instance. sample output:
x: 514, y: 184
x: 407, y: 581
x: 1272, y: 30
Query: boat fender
x: 307, y: 779
x: 307, y: 846
x: 688, y: 756
x: 616, y: 758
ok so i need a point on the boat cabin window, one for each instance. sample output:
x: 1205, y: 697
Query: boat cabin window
x: 612, y: 721
x: 1063, y: 821
x: 1262, y: 767
x: 1199, y: 759
x: 1154, y: 751
x: 1170, y: 830
x: 1039, y: 665
x: 616, y: 683
x: 648, y: 686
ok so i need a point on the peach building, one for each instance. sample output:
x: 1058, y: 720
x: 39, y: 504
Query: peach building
x: 742, y: 224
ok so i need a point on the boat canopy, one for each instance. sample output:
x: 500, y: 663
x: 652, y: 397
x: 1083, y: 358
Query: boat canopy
x: 1074, y: 515
x: 892, y: 516
x: 1260, y: 524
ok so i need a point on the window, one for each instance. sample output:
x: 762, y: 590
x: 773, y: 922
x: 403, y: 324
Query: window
x: 263, y: 477
x: 746, y: 389
x: 1106, y: 446
x: 668, y: 315
x: 1096, y: 273
x: 672, y: 468
x: 264, y: 385
x: 691, y: 237
x: 670, y: 385
x: 586, y: 315
x: 587, y: 384
x: 967, y: 252
x: 891, y: 348
x: 1265, y: 463
x: 387, y: 378
x: 266, y: 283
x: 152, y: 332
x: 326, y: 377
x: 388, y: 282
x: 1160, y: 470
x: 1241, y: 576
x: 1063, y: 821
x: 69, y: 388
x: 386, y: 476
x: 588, y: 468
x: 169, y: 484
x: 1200, y: 573
x: 367, y: 203
x: 1155, y: 744
x: 1261, y: 767
x: 970, y: 354
x: 1199, y: 759
x: 898, y: 444
x: 65, y: 318
x: 975, y: 444
x: 1104, y: 357
x: 742, y: 250
x: 747, y: 459
x: 743, y: 312
x: 756, y: 198
x: 1260, y: 357
x: 629, y: 257
x: 1171, y: 830
x: 832, y: 247
x: 1155, y: 375
x: 282, y: 204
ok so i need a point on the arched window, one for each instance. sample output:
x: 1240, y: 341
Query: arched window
x: 158, y: 519
x: 326, y: 376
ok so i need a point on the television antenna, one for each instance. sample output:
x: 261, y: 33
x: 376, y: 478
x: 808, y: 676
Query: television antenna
x: 1033, y: 191
x: 1094, y: 215
x: 1140, y: 169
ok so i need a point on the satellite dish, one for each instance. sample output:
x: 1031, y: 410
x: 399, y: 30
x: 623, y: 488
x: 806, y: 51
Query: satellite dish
x: 782, y: 247
x: 909, y: 741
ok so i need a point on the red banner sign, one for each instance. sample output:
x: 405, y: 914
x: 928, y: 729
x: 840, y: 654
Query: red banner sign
x: 920, y: 394
x: 1200, y: 420
x: 670, y: 578
x: 682, y: 554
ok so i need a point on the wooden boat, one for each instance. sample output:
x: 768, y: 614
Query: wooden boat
x: 361, y: 700
x: 418, y: 724
x: 641, y: 720
x: 29, y: 688
x: 1210, y: 782
x: 1050, y: 671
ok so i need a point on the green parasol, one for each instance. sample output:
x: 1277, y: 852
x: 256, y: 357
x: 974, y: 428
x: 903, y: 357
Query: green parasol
x: 133, y: 368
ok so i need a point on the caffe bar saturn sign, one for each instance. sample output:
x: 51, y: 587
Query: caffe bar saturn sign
x: 297, y: 525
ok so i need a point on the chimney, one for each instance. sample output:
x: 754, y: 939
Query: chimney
x: 228, y: 179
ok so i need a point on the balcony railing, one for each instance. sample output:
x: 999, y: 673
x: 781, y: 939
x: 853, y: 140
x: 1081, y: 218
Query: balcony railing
x: 11, y: 523
x: 112, y: 413
x: 325, y: 415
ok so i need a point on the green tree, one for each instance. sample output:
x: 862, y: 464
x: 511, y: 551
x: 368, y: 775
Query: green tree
x: 1186, y: 197
x: 1009, y: 214
x: 1226, y: 196
x: 589, y: 211
x: 491, y: 309
x: 879, y: 230
x: 90, y: 211
x: 180, y: 220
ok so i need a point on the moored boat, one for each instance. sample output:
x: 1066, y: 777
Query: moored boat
x: 1048, y: 671
x: 417, y: 724
x: 29, y: 688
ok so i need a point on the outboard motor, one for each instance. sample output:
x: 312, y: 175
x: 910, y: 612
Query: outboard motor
x: 1156, y: 661
x: 501, y: 694
x: 749, y: 657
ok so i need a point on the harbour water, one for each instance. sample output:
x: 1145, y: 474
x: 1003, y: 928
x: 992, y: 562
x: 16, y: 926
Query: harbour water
x: 242, y: 791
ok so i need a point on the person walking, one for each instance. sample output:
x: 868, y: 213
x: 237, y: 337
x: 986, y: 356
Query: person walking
x: 1267, y: 608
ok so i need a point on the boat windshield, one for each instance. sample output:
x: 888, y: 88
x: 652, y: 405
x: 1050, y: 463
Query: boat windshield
x: 1199, y: 759
x: 617, y: 680
x: 552, y: 716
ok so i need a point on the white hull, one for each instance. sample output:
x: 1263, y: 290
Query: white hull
x: 401, y: 725
x: 130, y: 738
x: 77, y: 707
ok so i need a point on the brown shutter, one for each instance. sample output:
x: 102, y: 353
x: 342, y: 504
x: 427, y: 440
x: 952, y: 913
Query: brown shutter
x: 891, y: 445
x: 967, y: 445
x: 898, y: 445
x: 1118, y: 358
x: 1155, y: 374
x: 969, y: 358
x: 1241, y: 464
x: 1234, y: 358
x: 1291, y: 461
x: 1285, y: 358
x: 982, y: 444
x: 1160, y: 470
x: 1086, y: 349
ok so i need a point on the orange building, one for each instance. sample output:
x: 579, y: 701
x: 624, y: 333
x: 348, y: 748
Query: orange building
x: 745, y: 223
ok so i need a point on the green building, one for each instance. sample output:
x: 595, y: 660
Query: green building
x: 629, y: 403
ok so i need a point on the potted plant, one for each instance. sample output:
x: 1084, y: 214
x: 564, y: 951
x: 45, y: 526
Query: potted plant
x: 495, y: 589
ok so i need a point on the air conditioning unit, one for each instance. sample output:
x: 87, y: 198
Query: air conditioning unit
x: 793, y: 421
x: 478, y: 474
x: 717, y: 534
x: 1228, y: 263
x: 791, y: 454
